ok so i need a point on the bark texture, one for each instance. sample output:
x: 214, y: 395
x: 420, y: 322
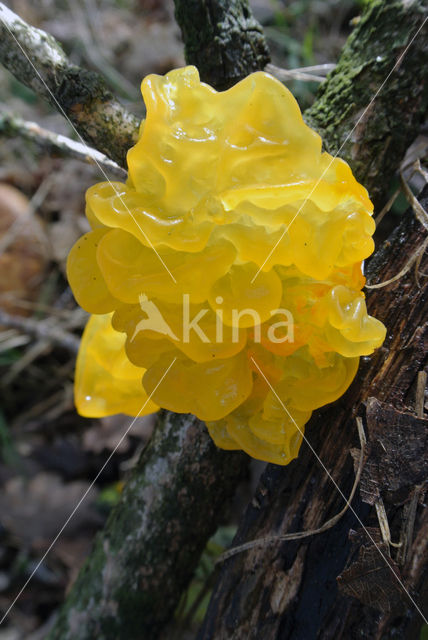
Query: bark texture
x: 288, y: 590
x: 144, y: 558
x: 57, y: 144
x: 222, y: 38
x: 38, y: 61
x: 372, y: 71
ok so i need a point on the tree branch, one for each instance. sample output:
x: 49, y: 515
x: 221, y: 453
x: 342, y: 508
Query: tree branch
x: 222, y: 38
x: 38, y: 61
x: 57, y: 144
x: 289, y: 590
x: 148, y: 551
x: 373, y: 102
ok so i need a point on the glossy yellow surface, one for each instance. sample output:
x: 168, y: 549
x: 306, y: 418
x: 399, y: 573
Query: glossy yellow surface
x: 232, y: 192
x: 106, y: 382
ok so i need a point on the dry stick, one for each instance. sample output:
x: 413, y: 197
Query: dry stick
x: 409, y: 525
x: 292, y: 74
x: 36, y: 350
x: 420, y: 393
x: 384, y: 524
x: 420, y: 212
x: 387, y: 206
x: 404, y: 270
x: 56, y: 143
x: 305, y: 534
x: 41, y: 329
x: 12, y: 340
x: 94, y: 55
x: 414, y: 258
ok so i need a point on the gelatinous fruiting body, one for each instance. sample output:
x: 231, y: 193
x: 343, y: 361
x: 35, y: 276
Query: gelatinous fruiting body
x: 235, y: 248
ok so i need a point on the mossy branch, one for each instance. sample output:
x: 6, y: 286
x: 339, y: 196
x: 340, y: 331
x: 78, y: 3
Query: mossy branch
x: 150, y: 546
x: 38, y: 61
x: 372, y: 104
x: 289, y: 590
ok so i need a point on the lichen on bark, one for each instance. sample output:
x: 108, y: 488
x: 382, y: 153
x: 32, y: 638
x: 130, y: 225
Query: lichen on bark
x: 146, y: 554
x: 373, y: 102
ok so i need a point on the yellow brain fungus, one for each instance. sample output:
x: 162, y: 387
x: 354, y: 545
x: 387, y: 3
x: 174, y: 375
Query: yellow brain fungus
x: 236, y: 248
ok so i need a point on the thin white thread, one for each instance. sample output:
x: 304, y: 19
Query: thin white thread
x: 147, y: 239
x: 400, y: 59
x: 340, y: 491
x: 82, y: 499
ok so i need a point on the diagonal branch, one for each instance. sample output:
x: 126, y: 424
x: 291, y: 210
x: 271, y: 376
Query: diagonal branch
x: 57, y: 144
x: 38, y: 61
x: 373, y: 102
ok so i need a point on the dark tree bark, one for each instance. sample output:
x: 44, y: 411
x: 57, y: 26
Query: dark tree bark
x: 289, y: 590
x: 383, y: 65
x: 222, y: 38
x: 150, y: 546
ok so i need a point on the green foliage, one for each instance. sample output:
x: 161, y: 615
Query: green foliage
x: 364, y: 3
x: 308, y: 44
x: 194, y: 603
x: 9, y: 356
x: 109, y: 497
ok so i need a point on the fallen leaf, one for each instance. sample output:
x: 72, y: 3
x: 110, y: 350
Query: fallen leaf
x: 23, y: 250
x: 370, y: 578
x: 396, y: 455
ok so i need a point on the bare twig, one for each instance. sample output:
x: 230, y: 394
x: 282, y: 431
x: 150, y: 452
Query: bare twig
x: 319, y: 69
x: 418, y: 209
x: 42, y: 329
x: 384, y: 525
x: 95, y: 56
x: 293, y: 74
x: 420, y: 393
x: 386, y: 208
x: 55, y: 143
